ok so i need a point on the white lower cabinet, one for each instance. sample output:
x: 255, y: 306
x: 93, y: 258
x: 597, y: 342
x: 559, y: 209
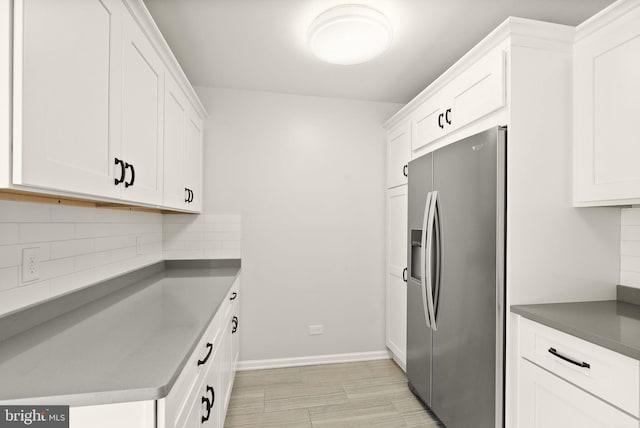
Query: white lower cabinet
x: 548, y: 401
x: 566, y: 382
x: 200, y: 395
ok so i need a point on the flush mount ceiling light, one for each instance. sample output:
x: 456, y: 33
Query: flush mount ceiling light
x: 349, y: 34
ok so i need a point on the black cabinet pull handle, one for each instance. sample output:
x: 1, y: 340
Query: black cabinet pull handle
x: 186, y: 191
x: 233, y: 296
x: 133, y: 174
x: 446, y: 116
x: 405, y: 171
x: 122, y: 171
x: 210, y: 347
x: 208, y: 403
x: 235, y: 324
x: 440, y: 116
x: 555, y: 353
x: 404, y: 274
x: 190, y: 195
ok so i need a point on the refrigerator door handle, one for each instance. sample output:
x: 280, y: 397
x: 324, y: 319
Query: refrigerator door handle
x: 424, y: 274
x: 438, y: 248
x: 427, y: 257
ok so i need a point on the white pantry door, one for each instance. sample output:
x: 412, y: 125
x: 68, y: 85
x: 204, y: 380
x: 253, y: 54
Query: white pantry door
x: 66, y: 86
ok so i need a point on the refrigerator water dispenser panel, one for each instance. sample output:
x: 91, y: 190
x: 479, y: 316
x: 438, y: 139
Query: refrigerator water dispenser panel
x: 416, y: 254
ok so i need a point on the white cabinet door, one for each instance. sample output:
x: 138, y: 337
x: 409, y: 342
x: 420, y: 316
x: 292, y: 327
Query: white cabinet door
x: 142, y: 102
x: 175, y: 120
x: 606, y: 111
x: 66, y: 94
x: 396, y: 272
x: 193, y: 162
x: 477, y: 92
x: 212, y: 395
x: 398, y: 155
x: 547, y: 401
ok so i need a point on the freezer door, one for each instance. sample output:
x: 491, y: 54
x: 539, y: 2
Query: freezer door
x: 418, y: 333
x: 468, y: 176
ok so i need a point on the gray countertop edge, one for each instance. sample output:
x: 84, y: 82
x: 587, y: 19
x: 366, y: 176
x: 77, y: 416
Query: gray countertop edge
x: 613, y: 345
x: 144, y: 393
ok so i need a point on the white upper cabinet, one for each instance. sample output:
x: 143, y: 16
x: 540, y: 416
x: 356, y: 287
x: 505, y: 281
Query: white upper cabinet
x: 142, y: 95
x: 65, y: 133
x: 89, y: 101
x: 193, y: 160
x: 175, y: 117
x: 476, y: 92
x: 606, y: 108
x: 398, y: 154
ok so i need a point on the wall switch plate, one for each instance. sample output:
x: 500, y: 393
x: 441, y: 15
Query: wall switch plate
x: 30, y: 264
x: 316, y: 329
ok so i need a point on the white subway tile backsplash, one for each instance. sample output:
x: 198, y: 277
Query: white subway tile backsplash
x: 73, y: 214
x: 9, y: 233
x: 630, y: 247
x: 112, y: 242
x: 44, y: 232
x: 204, y: 236
x: 8, y: 278
x: 73, y: 247
x: 54, y: 268
x: 24, y: 212
x: 77, y: 246
x: 91, y: 230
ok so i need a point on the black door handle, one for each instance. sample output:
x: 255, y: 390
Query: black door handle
x: 405, y: 171
x: 404, y: 274
x: 235, y: 324
x: 440, y: 121
x: 122, y: 171
x: 555, y: 353
x: 133, y: 174
x: 204, y: 361
x: 446, y: 116
x: 190, y: 195
x: 208, y: 403
x: 186, y: 191
x: 233, y: 296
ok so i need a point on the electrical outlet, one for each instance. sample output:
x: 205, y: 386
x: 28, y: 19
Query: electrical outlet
x: 316, y: 329
x: 30, y: 264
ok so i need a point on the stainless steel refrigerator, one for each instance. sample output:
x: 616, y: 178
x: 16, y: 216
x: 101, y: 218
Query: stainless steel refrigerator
x: 455, y: 287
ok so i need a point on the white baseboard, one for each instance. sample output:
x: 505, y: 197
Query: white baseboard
x: 312, y: 360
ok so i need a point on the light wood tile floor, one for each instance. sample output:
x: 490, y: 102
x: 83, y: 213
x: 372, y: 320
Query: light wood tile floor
x: 363, y: 394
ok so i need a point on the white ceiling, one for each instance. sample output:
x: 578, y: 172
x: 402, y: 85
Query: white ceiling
x: 261, y: 44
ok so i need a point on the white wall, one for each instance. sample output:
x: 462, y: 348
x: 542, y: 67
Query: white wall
x: 77, y: 247
x: 630, y: 247
x: 307, y: 176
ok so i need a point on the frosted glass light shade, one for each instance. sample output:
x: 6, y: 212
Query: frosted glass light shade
x: 349, y: 34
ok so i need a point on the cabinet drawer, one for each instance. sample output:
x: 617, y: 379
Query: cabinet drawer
x: 611, y: 376
x: 546, y: 401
